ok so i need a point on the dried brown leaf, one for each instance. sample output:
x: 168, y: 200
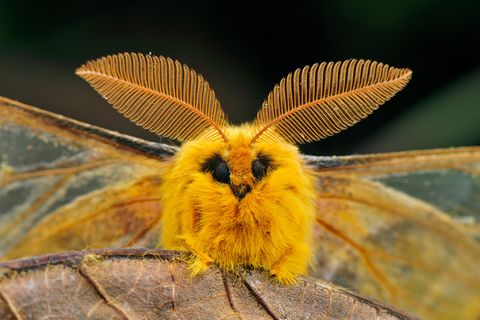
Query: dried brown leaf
x: 141, y: 284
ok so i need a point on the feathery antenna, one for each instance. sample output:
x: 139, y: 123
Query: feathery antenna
x: 318, y: 101
x: 158, y: 94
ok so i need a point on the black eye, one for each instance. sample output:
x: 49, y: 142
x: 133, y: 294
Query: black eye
x: 218, y: 167
x: 260, y: 166
x: 222, y: 173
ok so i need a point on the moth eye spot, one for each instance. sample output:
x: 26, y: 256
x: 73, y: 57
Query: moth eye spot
x: 260, y: 166
x: 222, y: 173
x: 218, y: 168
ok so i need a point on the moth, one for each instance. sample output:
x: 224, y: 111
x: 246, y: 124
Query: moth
x: 401, y: 227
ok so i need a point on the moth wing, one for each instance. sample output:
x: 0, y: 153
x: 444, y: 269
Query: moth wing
x: 403, y: 228
x: 66, y: 185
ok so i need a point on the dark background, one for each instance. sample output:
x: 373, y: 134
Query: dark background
x: 244, y: 49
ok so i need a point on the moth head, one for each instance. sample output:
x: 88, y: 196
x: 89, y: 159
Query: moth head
x: 228, y: 164
x: 238, y: 182
x: 237, y: 166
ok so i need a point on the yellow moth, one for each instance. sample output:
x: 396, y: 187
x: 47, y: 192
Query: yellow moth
x: 241, y: 195
x: 400, y: 227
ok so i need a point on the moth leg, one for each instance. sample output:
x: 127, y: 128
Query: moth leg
x: 291, y: 264
x: 201, y: 260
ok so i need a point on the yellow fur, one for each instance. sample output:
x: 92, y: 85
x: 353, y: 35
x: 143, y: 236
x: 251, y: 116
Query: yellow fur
x: 270, y: 228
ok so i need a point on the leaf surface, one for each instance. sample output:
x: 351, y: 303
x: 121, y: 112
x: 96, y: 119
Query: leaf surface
x: 146, y: 284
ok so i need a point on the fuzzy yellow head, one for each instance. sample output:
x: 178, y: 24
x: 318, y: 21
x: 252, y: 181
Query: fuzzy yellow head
x: 241, y: 195
x: 239, y: 203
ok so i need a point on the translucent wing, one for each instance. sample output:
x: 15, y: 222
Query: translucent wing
x: 403, y: 228
x: 66, y: 185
